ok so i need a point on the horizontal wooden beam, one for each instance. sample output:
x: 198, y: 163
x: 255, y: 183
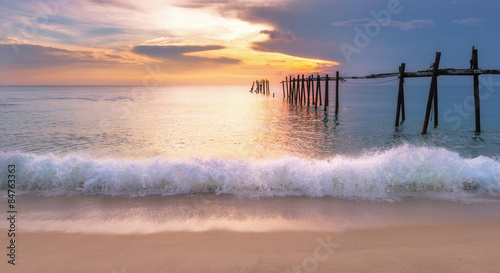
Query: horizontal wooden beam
x: 423, y: 73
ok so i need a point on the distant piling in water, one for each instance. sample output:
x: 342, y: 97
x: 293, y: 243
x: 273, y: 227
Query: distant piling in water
x: 294, y: 89
x: 261, y: 87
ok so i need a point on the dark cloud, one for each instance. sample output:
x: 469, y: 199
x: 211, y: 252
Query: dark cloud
x: 104, y: 32
x: 27, y: 55
x: 176, y: 53
x: 308, y: 24
x: 278, y: 35
x: 171, y: 51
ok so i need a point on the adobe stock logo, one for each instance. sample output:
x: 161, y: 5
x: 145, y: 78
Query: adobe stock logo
x: 363, y: 37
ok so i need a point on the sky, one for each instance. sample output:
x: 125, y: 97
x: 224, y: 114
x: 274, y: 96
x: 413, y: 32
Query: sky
x: 183, y: 42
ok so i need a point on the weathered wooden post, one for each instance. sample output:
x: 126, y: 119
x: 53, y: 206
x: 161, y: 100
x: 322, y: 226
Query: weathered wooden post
x: 432, y: 90
x: 477, y: 107
x: 285, y: 94
x: 308, y: 90
x: 436, y: 105
x: 400, y: 102
x: 318, y: 90
x: 290, y: 91
x: 312, y: 89
x: 337, y: 79
x: 300, y: 90
x: 326, y: 93
x: 287, y: 91
x: 296, y: 89
x: 303, y: 91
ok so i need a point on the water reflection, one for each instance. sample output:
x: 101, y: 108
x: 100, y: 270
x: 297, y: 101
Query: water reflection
x: 228, y: 122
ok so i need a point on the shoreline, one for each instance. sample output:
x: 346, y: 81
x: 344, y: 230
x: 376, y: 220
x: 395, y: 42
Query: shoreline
x: 458, y: 247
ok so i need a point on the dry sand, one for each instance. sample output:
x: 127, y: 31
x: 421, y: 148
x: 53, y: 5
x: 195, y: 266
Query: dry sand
x: 461, y: 247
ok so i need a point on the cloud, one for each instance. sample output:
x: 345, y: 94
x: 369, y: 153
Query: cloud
x: 196, y: 4
x: 117, y: 3
x: 8, y: 40
x: 29, y: 56
x: 104, y: 32
x: 408, y: 25
x: 413, y: 24
x: 177, y: 53
x: 473, y: 22
x: 278, y: 35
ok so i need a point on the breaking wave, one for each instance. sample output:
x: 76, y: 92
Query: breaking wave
x: 404, y: 171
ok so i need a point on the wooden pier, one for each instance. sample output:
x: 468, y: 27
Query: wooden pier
x: 301, y: 90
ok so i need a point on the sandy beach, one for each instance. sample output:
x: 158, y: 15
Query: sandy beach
x: 471, y: 247
x: 212, y: 233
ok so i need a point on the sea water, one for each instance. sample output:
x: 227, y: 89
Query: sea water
x: 161, y: 143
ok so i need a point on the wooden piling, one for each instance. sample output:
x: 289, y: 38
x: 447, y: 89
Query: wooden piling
x: 400, y: 102
x: 285, y: 94
x: 477, y: 106
x: 435, y: 73
x: 436, y: 105
x: 316, y: 98
x: 296, y: 89
x: 326, y: 93
x: 301, y: 82
x: 337, y: 79
x: 303, y: 90
x: 287, y: 89
x: 318, y: 92
x: 312, y: 89
x: 308, y: 90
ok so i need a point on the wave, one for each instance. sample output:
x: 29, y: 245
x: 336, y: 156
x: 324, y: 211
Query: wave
x: 404, y: 171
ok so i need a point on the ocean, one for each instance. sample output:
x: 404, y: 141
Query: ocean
x: 121, y: 159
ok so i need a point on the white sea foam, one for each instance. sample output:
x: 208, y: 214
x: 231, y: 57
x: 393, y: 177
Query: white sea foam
x: 404, y: 171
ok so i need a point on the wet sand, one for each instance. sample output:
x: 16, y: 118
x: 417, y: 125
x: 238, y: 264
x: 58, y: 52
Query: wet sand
x: 208, y: 233
x: 472, y: 247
